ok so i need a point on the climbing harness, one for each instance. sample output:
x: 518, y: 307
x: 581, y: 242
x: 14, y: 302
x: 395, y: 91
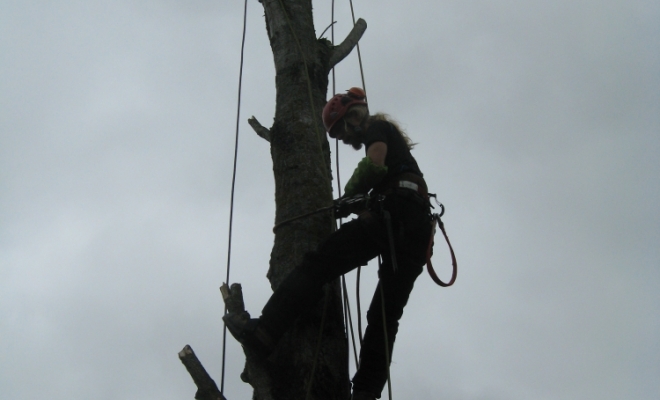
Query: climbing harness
x: 346, y: 206
x: 420, y: 195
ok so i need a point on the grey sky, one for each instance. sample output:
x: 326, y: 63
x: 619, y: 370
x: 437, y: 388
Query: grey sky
x: 538, y: 126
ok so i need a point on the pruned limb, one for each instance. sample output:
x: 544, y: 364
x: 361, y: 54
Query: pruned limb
x: 340, y: 52
x: 256, y: 371
x: 206, y: 387
x: 233, y: 297
x: 260, y: 129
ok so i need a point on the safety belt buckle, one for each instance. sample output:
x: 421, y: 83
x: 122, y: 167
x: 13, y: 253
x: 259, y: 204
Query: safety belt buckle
x: 409, y: 185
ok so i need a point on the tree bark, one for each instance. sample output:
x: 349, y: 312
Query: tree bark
x: 301, y: 165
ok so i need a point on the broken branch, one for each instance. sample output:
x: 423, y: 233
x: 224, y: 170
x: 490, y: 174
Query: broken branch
x: 260, y: 129
x: 340, y: 52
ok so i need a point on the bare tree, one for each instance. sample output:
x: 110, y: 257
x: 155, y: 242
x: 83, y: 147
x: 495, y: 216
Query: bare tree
x: 313, y: 356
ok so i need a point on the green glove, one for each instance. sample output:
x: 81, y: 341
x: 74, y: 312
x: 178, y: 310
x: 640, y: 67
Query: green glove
x: 366, y: 176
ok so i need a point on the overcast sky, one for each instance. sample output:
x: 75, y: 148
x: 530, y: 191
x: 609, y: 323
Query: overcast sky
x: 538, y: 125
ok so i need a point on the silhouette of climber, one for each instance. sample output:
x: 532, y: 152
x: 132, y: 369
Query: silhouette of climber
x: 397, y: 227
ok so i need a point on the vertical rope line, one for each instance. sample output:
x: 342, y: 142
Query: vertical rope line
x: 387, y: 342
x: 350, y: 320
x: 344, y: 307
x: 348, y: 323
x: 233, y: 187
x: 364, y: 85
x: 318, y: 344
x: 334, y: 90
x: 344, y: 298
x: 332, y: 36
x: 307, y: 79
x: 357, y: 295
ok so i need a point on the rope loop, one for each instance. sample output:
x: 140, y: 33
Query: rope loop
x: 429, y: 252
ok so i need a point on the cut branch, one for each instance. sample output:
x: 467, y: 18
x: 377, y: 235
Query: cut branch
x: 260, y: 129
x: 233, y: 297
x: 206, y: 387
x: 340, y: 52
x: 256, y: 371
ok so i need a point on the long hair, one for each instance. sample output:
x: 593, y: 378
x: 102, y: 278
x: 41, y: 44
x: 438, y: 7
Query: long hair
x: 362, y: 113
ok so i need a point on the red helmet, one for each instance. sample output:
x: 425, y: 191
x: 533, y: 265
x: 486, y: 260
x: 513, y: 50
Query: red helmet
x: 339, y: 104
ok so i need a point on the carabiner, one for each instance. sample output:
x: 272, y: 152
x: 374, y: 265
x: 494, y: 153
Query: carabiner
x: 442, y: 209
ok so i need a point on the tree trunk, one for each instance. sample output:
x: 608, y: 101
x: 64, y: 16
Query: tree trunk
x: 302, y: 169
x: 311, y: 361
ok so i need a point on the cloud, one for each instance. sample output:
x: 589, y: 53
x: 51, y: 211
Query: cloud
x: 537, y: 126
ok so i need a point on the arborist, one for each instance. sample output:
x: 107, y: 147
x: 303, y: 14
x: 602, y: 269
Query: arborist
x: 396, y: 225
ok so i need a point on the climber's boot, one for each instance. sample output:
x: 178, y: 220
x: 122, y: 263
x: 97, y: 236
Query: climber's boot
x: 249, y: 334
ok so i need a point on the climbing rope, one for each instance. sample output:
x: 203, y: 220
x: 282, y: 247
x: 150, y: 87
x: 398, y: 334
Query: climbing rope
x: 348, y: 318
x: 386, y: 340
x: 318, y: 344
x: 359, y: 270
x: 357, y: 45
x: 357, y: 295
x: 233, y: 186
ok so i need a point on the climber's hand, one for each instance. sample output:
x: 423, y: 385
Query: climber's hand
x: 346, y: 206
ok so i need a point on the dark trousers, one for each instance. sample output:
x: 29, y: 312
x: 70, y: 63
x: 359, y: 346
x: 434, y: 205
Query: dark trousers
x: 353, y: 245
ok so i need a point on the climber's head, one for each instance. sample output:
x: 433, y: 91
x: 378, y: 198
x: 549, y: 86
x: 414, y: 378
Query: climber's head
x: 339, y: 105
x: 345, y: 116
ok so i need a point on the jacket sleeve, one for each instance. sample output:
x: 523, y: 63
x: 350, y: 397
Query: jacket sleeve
x: 366, y: 176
